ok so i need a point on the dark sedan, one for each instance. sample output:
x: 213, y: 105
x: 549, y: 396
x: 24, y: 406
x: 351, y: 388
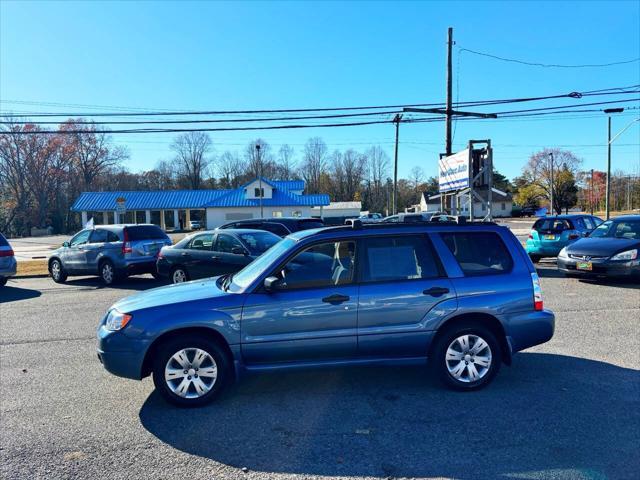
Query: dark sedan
x: 208, y: 254
x: 612, y: 249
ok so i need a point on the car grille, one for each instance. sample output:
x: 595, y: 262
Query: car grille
x: 586, y: 257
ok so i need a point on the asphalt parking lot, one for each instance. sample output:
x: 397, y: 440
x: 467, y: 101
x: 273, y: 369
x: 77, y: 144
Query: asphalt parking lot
x: 568, y: 409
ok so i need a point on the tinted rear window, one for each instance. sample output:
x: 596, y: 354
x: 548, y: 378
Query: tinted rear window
x: 479, y: 253
x: 309, y: 224
x: 552, y: 225
x: 3, y: 241
x: 145, y: 232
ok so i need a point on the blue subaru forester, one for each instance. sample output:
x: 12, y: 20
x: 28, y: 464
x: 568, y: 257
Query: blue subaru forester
x: 466, y: 296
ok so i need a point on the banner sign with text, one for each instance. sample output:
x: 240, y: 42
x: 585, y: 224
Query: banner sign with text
x: 454, y: 171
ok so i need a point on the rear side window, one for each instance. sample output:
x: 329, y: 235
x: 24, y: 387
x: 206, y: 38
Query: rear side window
x: 98, y: 236
x: 579, y: 223
x: 276, y: 228
x: 589, y: 223
x: 3, y: 241
x: 552, y: 225
x: 398, y: 258
x: 145, y: 232
x: 479, y: 253
x: 202, y: 242
x: 309, y: 224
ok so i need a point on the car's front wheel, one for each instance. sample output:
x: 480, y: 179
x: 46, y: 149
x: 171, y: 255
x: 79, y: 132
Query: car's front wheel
x: 190, y: 371
x: 467, y: 356
x: 57, y: 272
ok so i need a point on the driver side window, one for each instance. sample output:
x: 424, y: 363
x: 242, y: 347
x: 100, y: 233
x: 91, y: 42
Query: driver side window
x: 80, y: 238
x: 322, y: 265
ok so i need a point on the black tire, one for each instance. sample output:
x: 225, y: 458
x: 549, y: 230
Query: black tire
x: 535, y: 258
x: 441, y: 366
x: 175, y: 273
x: 3, y: 281
x: 185, y: 342
x: 57, y: 272
x: 107, y: 273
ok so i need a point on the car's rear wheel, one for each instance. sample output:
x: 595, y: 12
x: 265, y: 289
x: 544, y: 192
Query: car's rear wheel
x: 190, y: 371
x: 108, y: 273
x: 467, y: 356
x: 57, y: 272
x: 179, y: 275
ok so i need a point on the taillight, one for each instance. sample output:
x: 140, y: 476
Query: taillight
x: 6, y: 253
x: 160, y: 255
x: 538, y: 304
x: 573, y: 236
x: 531, y: 236
x: 126, y: 245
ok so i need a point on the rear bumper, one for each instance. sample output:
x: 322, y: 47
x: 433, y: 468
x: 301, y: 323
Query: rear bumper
x: 163, y: 267
x: 137, y: 268
x: 606, y: 268
x: 543, y: 250
x: 10, y: 269
x: 528, y: 329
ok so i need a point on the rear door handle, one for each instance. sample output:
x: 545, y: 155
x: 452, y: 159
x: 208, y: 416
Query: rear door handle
x: 436, y: 291
x: 336, y: 298
x: 185, y: 254
x: 215, y: 257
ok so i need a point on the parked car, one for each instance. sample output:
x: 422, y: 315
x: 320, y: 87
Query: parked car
x: 612, y: 249
x: 410, y: 217
x: 550, y: 234
x: 8, y: 264
x: 213, y: 253
x: 465, y: 296
x: 371, y: 218
x: 526, y: 212
x: 281, y: 226
x: 195, y: 225
x: 111, y: 252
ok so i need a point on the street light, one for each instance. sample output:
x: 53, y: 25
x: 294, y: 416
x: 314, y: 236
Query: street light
x: 609, y: 111
x: 259, y: 177
x: 551, y: 158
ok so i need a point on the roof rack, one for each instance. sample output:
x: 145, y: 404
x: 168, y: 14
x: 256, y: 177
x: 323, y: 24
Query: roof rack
x: 355, y: 224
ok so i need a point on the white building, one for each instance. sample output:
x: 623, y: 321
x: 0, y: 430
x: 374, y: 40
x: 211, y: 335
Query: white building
x: 173, y: 209
x: 501, y: 203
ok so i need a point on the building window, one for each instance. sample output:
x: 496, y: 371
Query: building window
x: 258, y: 192
x: 277, y: 214
x: 484, y: 207
x: 296, y: 213
x: 238, y: 216
x: 504, y: 206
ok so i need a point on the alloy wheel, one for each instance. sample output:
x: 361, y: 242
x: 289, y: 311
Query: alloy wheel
x: 179, y: 276
x: 56, y: 269
x: 107, y: 273
x: 468, y: 358
x: 191, y: 373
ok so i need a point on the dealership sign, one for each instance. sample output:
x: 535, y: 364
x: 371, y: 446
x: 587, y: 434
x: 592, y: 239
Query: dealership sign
x: 121, y: 205
x: 454, y: 171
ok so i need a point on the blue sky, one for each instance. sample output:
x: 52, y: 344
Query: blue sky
x: 260, y: 55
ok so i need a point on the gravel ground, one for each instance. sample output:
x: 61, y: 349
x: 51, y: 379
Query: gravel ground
x: 569, y: 409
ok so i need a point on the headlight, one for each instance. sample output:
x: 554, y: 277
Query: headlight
x: 563, y: 253
x: 628, y: 255
x: 116, y: 320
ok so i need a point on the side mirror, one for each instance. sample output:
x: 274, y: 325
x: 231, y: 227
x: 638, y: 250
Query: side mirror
x: 239, y: 251
x: 65, y: 244
x: 271, y: 283
x: 586, y: 234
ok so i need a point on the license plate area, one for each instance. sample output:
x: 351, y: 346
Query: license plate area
x: 584, y: 266
x: 549, y: 237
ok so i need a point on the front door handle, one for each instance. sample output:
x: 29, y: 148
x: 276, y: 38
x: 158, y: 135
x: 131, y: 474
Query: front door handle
x: 215, y: 257
x: 336, y: 298
x: 436, y: 291
x: 185, y: 254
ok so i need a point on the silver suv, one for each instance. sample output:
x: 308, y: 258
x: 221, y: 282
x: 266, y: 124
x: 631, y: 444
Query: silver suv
x: 110, y: 251
x: 7, y: 261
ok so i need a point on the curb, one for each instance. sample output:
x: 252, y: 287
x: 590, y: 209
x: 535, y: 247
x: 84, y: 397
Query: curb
x: 35, y: 275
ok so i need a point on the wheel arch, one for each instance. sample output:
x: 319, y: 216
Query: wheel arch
x: 51, y: 259
x: 205, y: 332
x: 484, y: 319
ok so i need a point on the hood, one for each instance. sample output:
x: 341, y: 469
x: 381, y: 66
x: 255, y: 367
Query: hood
x: 170, y: 294
x: 601, y: 247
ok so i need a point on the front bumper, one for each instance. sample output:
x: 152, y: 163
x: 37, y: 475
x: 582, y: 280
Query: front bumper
x: 120, y: 354
x: 601, y: 267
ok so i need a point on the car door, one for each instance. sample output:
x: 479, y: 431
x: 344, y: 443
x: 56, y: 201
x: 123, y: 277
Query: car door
x: 74, y: 255
x: 230, y: 255
x: 198, y: 257
x: 94, y: 248
x: 401, y: 282
x: 311, y: 313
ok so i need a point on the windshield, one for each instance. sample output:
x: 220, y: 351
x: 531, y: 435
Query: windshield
x: 248, y: 274
x: 259, y: 242
x: 628, y: 229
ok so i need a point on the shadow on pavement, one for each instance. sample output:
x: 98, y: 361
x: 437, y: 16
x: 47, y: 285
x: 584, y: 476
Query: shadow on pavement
x: 547, y: 416
x: 144, y: 282
x: 13, y: 294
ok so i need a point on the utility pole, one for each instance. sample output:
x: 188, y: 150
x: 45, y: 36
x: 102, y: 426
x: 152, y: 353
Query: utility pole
x: 591, y: 193
x: 260, y: 177
x: 608, y: 170
x: 395, y: 166
x: 449, y: 99
x: 551, y: 157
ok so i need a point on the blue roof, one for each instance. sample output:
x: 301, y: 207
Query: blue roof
x: 280, y: 198
x: 181, y: 199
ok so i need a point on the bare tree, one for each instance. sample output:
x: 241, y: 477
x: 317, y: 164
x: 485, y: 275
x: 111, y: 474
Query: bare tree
x: 192, y: 151
x: 259, y: 161
x: 378, y: 167
x: 417, y: 177
x: 314, y: 164
x: 13, y: 175
x: 286, y: 165
x: 231, y: 169
x: 348, y: 172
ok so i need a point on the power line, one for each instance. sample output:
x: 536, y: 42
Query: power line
x: 547, y: 65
